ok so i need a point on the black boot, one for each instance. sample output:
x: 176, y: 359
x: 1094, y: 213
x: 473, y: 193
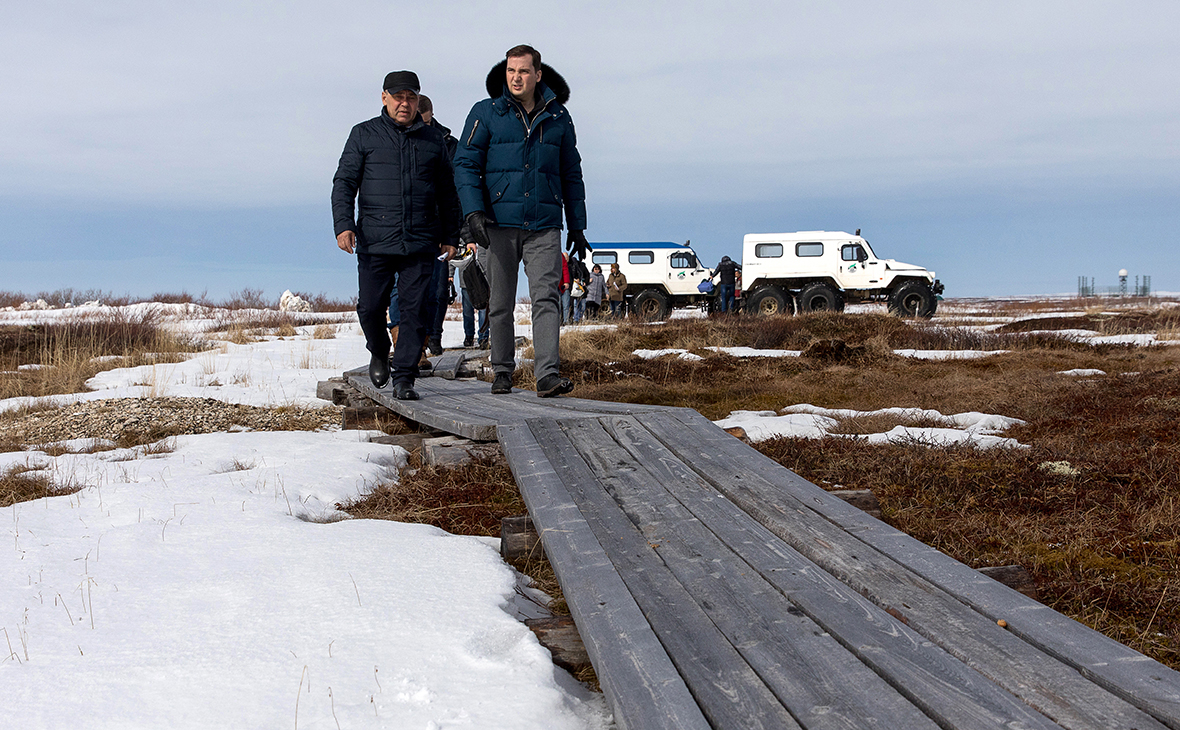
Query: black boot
x: 552, y: 385
x: 502, y: 385
x: 379, y: 370
x: 404, y: 391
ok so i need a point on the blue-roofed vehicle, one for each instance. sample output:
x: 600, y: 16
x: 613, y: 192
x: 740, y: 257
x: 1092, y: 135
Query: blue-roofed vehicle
x: 660, y: 275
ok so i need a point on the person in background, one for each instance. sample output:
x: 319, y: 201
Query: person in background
x: 728, y: 269
x: 579, y: 281
x: 616, y: 287
x: 595, y: 292
x: 469, y: 310
x: 408, y: 214
x: 437, y: 299
x: 565, y: 289
x: 518, y: 170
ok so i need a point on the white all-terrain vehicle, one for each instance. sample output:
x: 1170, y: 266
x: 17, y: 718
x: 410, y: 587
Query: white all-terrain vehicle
x: 660, y: 275
x: 812, y: 271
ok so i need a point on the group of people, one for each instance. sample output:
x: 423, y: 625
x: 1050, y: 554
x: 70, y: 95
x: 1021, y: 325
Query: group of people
x: 407, y: 194
x: 585, y: 293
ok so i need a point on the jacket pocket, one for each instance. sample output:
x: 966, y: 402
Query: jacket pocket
x: 497, y: 188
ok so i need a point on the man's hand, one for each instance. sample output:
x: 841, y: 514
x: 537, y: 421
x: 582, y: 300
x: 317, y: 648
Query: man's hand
x: 577, y: 245
x: 448, y: 252
x: 477, y: 222
x: 347, y: 241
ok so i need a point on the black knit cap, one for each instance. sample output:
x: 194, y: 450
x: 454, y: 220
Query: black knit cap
x: 396, y: 81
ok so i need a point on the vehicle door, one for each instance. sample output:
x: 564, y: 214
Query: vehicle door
x: 858, y: 268
x: 684, y: 272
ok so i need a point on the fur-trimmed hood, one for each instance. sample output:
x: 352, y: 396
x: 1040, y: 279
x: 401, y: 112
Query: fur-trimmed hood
x: 496, y: 81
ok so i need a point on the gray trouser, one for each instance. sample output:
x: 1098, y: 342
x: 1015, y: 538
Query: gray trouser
x: 541, y: 253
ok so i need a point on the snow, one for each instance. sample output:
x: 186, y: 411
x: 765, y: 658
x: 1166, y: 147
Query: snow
x: 808, y: 421
x: 209, y: 587
x: 752, y: 352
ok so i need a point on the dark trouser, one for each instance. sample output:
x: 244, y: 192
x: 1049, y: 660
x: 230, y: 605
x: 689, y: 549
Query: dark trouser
x: 725, y: 296
x: 376, y: 274
x: 469, y: 318
x: 395, y: 317
x: 442, y: 291
x: 436, y: 308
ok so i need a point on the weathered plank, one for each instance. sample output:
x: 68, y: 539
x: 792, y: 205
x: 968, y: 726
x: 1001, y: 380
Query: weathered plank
x: 942, y: 686
x: 447, y: 365
x: 441, y: 414
x: 806, y: 669
x: 640, y: 682
x: 468, y: 409
x: 727, y: 690
x: 1115, y: 667
x: 560, y: 636
x: 1046, y: 684
x: 519, y: 538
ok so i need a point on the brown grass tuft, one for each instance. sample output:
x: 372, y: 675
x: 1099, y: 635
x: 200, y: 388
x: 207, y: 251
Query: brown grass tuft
x: 18, y: 484
x: 467, y: 500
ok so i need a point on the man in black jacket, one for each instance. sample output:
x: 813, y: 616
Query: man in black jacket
x: 728, y: 269
x: 408, y: 213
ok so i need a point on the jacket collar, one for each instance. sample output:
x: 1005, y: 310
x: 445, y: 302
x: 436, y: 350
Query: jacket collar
x: 548, y: 101
x: 413, y: 126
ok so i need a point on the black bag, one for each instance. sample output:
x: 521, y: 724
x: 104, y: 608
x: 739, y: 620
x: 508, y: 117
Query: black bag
x: 476, y: 284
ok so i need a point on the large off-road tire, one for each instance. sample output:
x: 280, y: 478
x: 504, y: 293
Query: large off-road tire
x: 651, y: 305
x: 768, y: 301
x: 820, y: 297
x: 913, y: 299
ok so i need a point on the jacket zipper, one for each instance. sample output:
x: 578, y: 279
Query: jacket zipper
x: 472, y: 135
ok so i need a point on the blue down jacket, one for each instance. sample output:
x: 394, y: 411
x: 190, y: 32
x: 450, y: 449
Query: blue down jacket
x: 406, y: 185
x: 522, y: 175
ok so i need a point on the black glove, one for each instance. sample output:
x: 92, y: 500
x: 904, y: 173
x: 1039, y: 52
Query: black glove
x: 577, y: 245
x: 477, y: 222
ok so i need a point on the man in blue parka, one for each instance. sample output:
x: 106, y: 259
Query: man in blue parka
x: 408, y: 213
x: 517, y: 171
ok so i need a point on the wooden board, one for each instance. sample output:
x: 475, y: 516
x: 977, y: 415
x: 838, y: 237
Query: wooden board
x: 640, y: 683
x: 447, y: 365
x: 1050, y: 686
x: 468, y: 408
x: 1141, y: 681
x: 943, y: 687
x: 807, y: 670
x: 726, y: 688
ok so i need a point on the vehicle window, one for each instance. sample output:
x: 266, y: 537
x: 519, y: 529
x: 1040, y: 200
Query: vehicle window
x: 603, y: 257
x: 768, y: 251
x: 809, y: 249
x: 850, y: 252
x: 683, y: 260
x: 640, y: 257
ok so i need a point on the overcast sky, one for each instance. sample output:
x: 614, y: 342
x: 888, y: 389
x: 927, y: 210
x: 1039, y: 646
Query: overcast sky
x: 1010, y: 146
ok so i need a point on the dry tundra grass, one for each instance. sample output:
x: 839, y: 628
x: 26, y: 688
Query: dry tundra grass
x: 62, y: 356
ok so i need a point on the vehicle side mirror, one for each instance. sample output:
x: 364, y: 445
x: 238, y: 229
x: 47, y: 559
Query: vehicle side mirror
x: 861, y: 255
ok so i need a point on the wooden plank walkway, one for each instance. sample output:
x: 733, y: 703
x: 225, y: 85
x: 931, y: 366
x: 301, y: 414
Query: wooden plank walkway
x: 715, y: 588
